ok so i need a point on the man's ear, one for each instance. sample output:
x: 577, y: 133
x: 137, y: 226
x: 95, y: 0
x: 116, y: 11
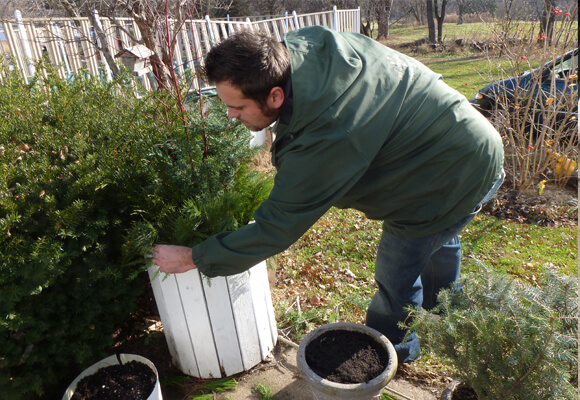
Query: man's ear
x: 276, y: 97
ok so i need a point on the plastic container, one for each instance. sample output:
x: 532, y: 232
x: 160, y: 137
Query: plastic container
x: 112, y: 360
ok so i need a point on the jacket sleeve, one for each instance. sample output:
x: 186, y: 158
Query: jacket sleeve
x: 316, y: 170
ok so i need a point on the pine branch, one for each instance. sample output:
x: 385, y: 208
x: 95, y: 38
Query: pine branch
x: 537, y: 362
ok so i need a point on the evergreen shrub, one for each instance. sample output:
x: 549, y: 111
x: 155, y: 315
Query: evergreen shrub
x: 90, y: 178
x: 505, y: 338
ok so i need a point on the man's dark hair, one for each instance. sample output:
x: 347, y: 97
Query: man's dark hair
x: 254, y: 63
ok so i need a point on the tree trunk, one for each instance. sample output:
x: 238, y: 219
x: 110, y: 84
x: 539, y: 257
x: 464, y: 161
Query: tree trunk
x: 431, y: 21
x: 72, y: 11
x: 547, y: 21
x: 103, y: 45
x: 418, y: 11
x: 366, y: 29
x: 384, y: 18
x: 460, y: 12
x: 440, y: 15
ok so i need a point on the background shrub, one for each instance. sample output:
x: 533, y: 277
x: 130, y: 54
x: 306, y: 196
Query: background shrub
x: 90, y: 178
x: 539, y: 127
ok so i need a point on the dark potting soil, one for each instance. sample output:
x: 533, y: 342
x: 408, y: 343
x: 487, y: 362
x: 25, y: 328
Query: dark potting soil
x: 130, y: 381
x: 344, y: 356
x: 464, y: 392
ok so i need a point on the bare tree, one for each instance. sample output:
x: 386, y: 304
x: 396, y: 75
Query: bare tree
x: 159, y: 22
x: 418, y: 9
x: 474, y: 6
x: 431, y: 21
x: 508, y: 7
x: 461, y: 9
x: 383, y: 17
x: 548, y: 19
x: 440, y: 17
x: 436, y: 11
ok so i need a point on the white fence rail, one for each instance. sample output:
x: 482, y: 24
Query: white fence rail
x: 70, y: 43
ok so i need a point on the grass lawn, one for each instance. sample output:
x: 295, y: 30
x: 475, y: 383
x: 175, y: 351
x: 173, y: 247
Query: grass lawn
x: 461, y: 67
x: 466, y: 74
x: 327, y: 276
x: 478, y: 31
x: 520, y: 249
x: 399, y: 34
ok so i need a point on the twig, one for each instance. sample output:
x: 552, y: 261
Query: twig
x: 298, y: 305
x: 388, y: 389
x: 287, y: 342
x: 291, y: 305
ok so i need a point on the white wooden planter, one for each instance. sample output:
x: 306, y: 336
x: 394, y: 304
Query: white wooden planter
x: 218, y: 327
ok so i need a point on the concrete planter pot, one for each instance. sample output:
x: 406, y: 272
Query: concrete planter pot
x: 456, y: 391
x: 216, y: 327
x: 323, y: 389
x: 113, y: 360
x: 449, y: 390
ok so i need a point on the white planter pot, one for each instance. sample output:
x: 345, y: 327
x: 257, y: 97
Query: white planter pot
x: 112, y: 360
x: 323, y: 389
x: 218, y: 327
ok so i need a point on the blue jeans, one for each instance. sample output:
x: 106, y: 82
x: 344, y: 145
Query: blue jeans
x: 412, y: 272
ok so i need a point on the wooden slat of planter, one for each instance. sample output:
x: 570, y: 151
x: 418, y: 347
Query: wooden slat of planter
x: 191, y: 299
x: 219, y: 307
x: 262, y: 300
x: 241, y: 299
x: 174, y: 322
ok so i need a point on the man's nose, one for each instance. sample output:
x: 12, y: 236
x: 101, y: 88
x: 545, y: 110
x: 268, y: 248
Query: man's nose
x: 233, y: 113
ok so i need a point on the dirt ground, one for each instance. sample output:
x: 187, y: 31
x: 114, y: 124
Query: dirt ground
x: 556, y: 206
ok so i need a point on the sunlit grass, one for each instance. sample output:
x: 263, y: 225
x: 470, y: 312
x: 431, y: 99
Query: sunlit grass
x: 400, y: 34
x: 466, y: 75
x: 520, y: 249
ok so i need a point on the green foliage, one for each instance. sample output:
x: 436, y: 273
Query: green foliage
x: 264, y: 391
x: 507, y: 339
x: 387, y: 396
x: 296, y: 324
x: 90, y: 178
x: 207, y: 390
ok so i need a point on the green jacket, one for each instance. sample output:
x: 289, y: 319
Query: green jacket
x: 371, y: 129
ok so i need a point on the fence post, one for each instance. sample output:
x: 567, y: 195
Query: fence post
x: 61, y: 47
x: 335, y: 18
x: 296, y: 26
x: 286, y: 21
x: 25, y: 42
x: 103, y: 59
x: 210, y: 31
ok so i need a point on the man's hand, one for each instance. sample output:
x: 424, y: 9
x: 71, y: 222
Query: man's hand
x: 173, y: 259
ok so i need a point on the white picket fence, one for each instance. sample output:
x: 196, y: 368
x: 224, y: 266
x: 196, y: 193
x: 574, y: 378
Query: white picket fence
x: 69, y: 43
